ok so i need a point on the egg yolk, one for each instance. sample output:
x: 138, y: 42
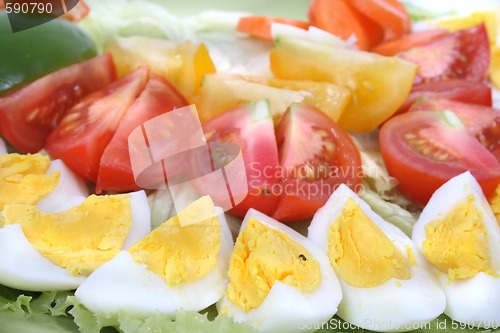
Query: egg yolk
x: 361, y: 253
x: 495, y: 204
x: 23, y: 178
x: 180, y: 251
x: 458, y: 243
x: 80, y: 239
x: 262, y: 256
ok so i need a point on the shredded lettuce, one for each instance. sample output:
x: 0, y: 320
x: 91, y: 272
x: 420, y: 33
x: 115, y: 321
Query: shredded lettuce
x: 380, y: 189
x: 110, y: 18
x: 24, y: 312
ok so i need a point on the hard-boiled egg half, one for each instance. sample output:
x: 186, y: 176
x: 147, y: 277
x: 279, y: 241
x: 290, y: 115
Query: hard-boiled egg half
x: 387, y: 284
x: 279, y: 281
x: 182, y: 264
x: 56, y: 251
x: 459, y: 235
x: 36, y: 180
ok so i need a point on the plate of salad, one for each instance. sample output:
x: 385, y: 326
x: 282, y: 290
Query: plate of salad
x: 365, y: 134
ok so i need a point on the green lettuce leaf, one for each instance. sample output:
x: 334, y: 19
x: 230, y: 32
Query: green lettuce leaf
x: 192, y: 322
x: 25, y: 312
x: 61, y: 312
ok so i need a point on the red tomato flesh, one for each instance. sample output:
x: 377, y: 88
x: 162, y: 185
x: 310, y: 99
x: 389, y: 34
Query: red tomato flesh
x: 464, y: 54
x: 316, y: 156
x: 293, y: 172
x: 423, y: 150
x: 29, y: 114
x: 115, y: 170
x: 481, y: 121
x: 458, y: 90
x: 251, y: 127
x: 87, y: 128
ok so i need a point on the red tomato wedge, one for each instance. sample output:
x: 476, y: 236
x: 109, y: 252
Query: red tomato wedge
x: 251, y: 127
x: 260, y: 26
x: 316, y: 156
x: 87, y: 128
x: 115, y: 170
x: 391, y: 15
x: 408, y: 41
x: 464, y: 54
x: 423, y: 150
x: 340, y: 18
x: 481, y: 121
x: 29, y: 114
x: 458, y: 90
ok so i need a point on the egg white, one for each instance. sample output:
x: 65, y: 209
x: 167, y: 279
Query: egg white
x: 286, y: 309
x: 70, y: 191
x: 3, y: 147
x: 396, y: 305
x: 123, y: 284
x: 474, y: 301
x: 23, y: 267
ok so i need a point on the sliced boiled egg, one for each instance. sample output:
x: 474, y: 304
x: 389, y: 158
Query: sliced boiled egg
x: 459, y: 235
x: 387, y: 284
x: 182, y: 264
x: 279, y: 281
x: 56, y: 251
x: 36, y: 180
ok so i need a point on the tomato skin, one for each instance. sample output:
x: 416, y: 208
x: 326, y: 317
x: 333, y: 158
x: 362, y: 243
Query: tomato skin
x: 317, y: 155
x: 342, y: 19
x: 260, y: 26
x: 115, y: 170
x: 391, y: 15
x: 87, y: 128
x: 423, y: 168
x: 464, y: 54
x: 251, y: 127
x: 458, y: 90
x: 481, y: 121
x: 29, y: 114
